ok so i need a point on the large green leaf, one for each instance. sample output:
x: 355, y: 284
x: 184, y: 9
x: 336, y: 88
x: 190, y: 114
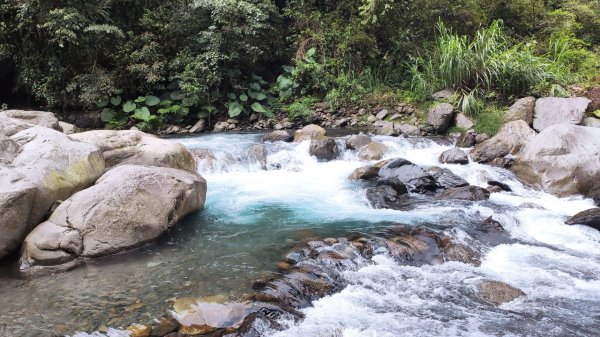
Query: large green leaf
x: 235, y: 109
x: 115, y: 101
x: 152, y: 100
x: 288, y: 69
x: 107, y: 115
x: 187, y: 102
x: 129, y: 106
x: 255, y: 86
x: 140, y: 99
x: 262, y: 109
x: 259, y: 96
x: 243, y: 98
x: 102, y: 102
x: 142, y: 114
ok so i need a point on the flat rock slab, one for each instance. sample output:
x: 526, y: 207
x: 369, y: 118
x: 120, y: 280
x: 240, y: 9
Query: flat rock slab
x: 555, y: 110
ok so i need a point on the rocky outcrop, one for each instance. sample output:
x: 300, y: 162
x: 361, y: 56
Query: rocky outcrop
x: 310, y: 132
x: 38, y: 167
x: 373, y: 151
x: 509, y: 140
x: 67, y: 128
x: 421, y: 179
x: 496, y: 292
x: 522, y: 109
x: 590, y: 217
x: 138, y: 148
x: 39, y: 118
x: 130, y: 205
x: 555, y: 110
x: 440, y: 116
x: 355, y: 142
x: 324, y: 150
x: 564, y: 160
x: 454, y: 156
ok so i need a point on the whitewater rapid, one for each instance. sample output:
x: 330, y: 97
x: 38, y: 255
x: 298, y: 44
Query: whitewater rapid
x: 557, y: 266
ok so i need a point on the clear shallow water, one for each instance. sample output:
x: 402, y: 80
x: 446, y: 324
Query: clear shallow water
x: 252, y: 217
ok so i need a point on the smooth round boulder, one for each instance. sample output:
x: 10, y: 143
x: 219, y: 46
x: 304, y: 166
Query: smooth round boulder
x: 325, y: 150
x: 440, y: 116
x: 38, y: 167
x: 40, y: 118
x: 128, y: 206
x: 509, y: 140
x: 310, y: 132
x: 138, y: 148
x: 277, y: 136
x: 355, y: 142
x: 373, y: 151
x: 562, y: 160
x: 590, y: 217
x: 557, y: 110
x: 454, y: 156
x: 364, y: 173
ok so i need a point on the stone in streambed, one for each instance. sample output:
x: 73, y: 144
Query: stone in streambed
x: 440, y: 116
x: 127, y: 207
x: 454, y: 156
x: 373, y: 151
x: 421, y: 179
x: 324, y: 150
x: 470, y: 193
x: 277, y: 136
x: 497, y: 293
x: 310, y: 132
x: 257, y: 155
x: 355, y: 142
x: 590, y: 217
x: 364, y: 173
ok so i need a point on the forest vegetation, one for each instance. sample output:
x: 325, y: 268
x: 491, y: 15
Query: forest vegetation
x: 156, y: 62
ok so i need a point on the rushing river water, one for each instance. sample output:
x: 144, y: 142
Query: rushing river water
x: 252, y: 217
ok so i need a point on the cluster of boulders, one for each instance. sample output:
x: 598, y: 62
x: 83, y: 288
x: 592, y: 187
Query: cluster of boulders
x: 314, y: 271
x: 65, y: 198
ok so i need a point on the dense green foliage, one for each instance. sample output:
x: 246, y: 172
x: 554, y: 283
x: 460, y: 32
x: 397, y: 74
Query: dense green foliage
x: 238, y: 57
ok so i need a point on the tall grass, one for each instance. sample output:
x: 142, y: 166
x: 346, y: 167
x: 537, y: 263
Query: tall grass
x: 488, y: 61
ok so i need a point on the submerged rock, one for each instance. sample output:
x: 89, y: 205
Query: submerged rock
x: 38, y: 167
x: 497, y: 293
x: 129, y: 206
x: 324, y: 150
x: 138, y: 148
x: 590, y: 217
x: 563, y: 160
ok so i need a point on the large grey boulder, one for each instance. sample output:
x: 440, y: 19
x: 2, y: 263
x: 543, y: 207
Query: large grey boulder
x: 522, y: 109
x: 40, y: 118
x: 509, y: 140
x: 324, y: 150
x: 440, y: 116
x: 421, y: 179
x: 555, y: 110
x: 310, y: 132
x: 591, y: 122
x: 38, y: 167
x: 454, y: 156
x: 373, y: 151
x: 128, y: 206
x: 590, y: 217
x: 355, y: 142
x: 138, y: 148
x: 564, y: 160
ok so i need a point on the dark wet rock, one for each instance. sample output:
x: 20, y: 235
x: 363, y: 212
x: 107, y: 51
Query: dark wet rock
x: 128, y: 206
x: 40, y: 118
x: 481, y: 137
x: 373, y: 151
x: 493, y: 189
x: 386, y: 196
x: 502, y: 162
x: 278, y: 136
x: 497, y: 293
x: 421, y: 179
x: 310, y: 132
x: 467, y: 139
x: 440, y: 116
x: 295, y: 257
x: 470, y: 193
x: 257, y: 155
x: 590, y: 217
x: 364, y: 173
x: 522, y: 109
x: 509, y: 140
x: 454, y: 156
x: 557, y: 110
x: 562, y: 160
x: 355, y: 142
x: 138, y: 148
x: 325, y: 150
x: 503, y: 186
